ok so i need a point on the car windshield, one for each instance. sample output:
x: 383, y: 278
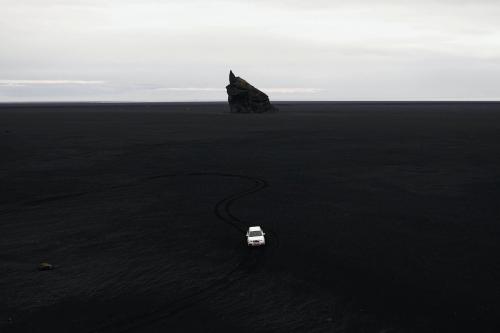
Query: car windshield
x: 255, y: 233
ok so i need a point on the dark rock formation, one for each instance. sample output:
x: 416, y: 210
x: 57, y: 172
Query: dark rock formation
x: 245, y: 98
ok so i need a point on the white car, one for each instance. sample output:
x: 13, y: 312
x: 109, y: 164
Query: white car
x: 255, y: 236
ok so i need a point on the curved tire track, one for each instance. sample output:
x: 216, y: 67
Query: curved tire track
x: 222, y: 209
x: 54, y: 198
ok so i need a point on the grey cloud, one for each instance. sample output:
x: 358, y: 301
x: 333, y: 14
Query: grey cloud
x: 182, y: 50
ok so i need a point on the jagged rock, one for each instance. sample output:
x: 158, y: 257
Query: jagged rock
x: 245, y: 98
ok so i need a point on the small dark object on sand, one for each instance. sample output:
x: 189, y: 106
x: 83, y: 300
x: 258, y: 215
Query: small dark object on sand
x: 245, y: 98
x: 45, y: 266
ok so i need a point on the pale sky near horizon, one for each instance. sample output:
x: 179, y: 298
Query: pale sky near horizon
x: 182, y: 50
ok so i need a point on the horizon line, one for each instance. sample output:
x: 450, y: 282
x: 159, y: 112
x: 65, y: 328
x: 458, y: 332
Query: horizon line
x: 497, y: 100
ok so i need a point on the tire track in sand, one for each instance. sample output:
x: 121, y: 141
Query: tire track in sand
x: 222, y: 209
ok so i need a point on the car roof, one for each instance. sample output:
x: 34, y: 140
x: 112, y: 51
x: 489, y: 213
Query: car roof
x: 256, y: 228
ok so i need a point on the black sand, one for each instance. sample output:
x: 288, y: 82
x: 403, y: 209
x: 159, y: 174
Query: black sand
x: 380, y: 217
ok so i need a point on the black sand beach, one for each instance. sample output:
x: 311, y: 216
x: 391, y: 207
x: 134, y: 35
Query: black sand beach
x: 380, y: 217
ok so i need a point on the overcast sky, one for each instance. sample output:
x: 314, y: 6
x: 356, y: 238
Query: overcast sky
x: 171, y: 50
